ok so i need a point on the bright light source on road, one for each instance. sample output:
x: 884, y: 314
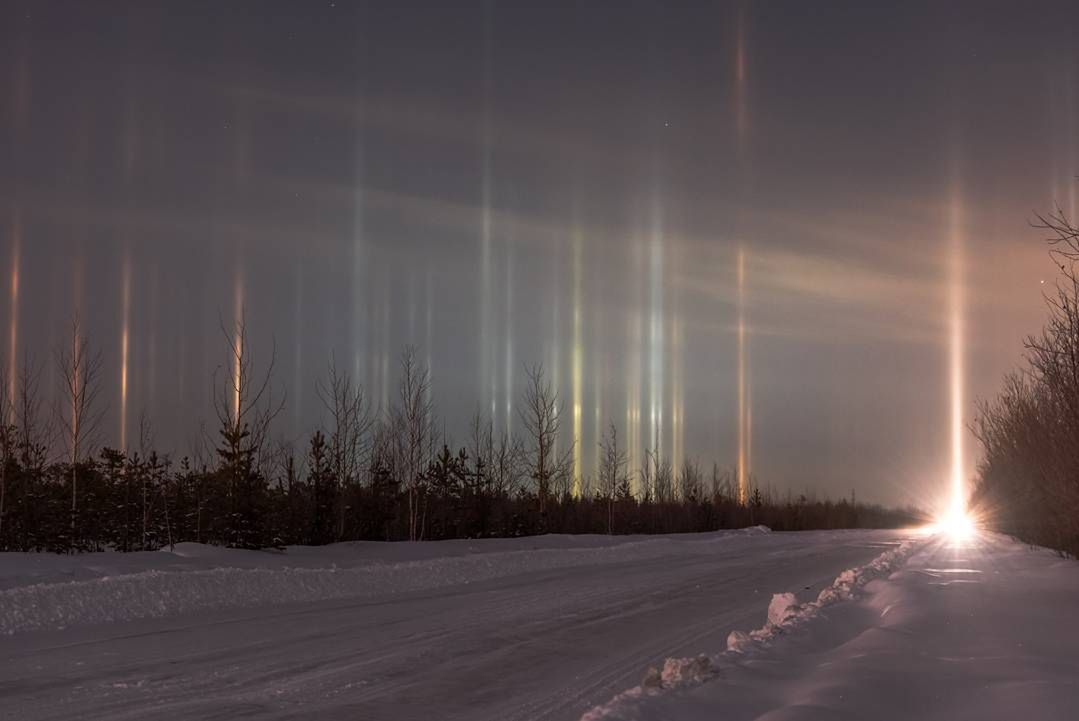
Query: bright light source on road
x: 955, y: 524
x: 958, y: 525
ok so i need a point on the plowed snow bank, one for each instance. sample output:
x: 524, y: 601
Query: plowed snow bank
x: 236, y: 579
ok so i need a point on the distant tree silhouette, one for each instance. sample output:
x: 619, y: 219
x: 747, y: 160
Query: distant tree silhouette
x: 7, y: 441
x: 320, y: 477
x: 365, y: 475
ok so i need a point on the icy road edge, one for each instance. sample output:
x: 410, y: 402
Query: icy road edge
x: 784, y: 615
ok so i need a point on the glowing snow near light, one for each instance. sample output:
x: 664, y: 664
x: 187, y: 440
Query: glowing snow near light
x: 955, y: 524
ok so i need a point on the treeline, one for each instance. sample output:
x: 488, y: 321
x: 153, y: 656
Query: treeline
x: 365, y: 475
x: 1028, y: 482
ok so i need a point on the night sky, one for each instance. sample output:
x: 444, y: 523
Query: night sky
x: 572, y: 184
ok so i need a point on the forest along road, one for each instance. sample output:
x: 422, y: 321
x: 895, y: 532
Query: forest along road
x: 532, y: 645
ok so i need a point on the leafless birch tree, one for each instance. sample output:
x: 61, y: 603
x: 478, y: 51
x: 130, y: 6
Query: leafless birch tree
x: 411, y: 421
x: 350, y: 422
x: 78, y: 412
x: 541, y: 417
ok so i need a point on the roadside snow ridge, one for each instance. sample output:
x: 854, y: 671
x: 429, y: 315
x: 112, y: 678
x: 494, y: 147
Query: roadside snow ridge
x: 784, y: 614
x: 157, y: 593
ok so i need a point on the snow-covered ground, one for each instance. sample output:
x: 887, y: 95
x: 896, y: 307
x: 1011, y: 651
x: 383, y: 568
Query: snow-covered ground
x: 533, y: 628
x: 979, y: 629
x: 738, y: 625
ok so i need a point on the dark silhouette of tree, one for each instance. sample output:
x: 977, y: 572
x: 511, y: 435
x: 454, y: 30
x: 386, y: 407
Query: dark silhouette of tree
x: 320, y: 476
x: 245, y: 409
x: 1027, y: 481
x: 7, y: 441
x: 363, y: 476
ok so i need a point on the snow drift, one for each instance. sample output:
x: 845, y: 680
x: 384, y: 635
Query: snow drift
x: 121, y: 595
x: 784, y: 614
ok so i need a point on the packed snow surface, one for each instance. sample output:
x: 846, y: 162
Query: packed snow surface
x: 737, y: 625
x: 192, y: 577
x: 530, y: 628
x: 974, y: 629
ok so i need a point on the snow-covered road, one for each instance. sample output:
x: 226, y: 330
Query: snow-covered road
x: 525, y: 629
x: 981, y: 628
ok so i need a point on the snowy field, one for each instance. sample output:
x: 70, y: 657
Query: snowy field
x: 553, y: 627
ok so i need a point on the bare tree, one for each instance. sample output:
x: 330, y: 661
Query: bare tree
x: 722, y: 485
x: 664, y: 479
x: 480, y: 450
x: 383, y: 474
x: 200, y: 453
x: 7, y: 440
x: 504, y: 465
x: 1063, y: 239
x: 477, y: 471
x: 587, y: 487
x: 245, y: 408
x: 350, y: 420
x: 691, y: 481
x: 243, y: 399
x: 540, y: 414
x: 645, y: 488
x: 147, y: 478
x: 78, y: 413
x: 33, y: 429
x: 613, y: 465
x: 147, y: 435
x: 411, y: 422
x: 658, y: 474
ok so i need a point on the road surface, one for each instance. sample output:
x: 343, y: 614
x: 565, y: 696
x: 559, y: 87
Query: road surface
x: 535, y: 645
